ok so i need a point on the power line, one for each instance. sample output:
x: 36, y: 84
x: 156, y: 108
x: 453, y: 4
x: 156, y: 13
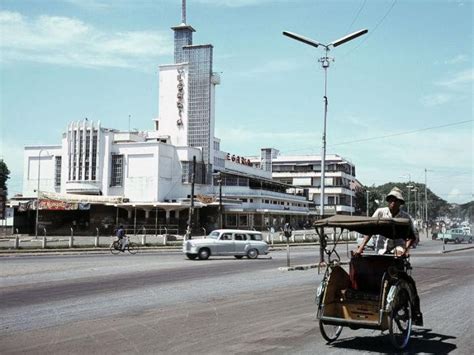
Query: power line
x: 372, y: 30
x: 402, y: 133
x: 386, y: 136
x: 357, y: 15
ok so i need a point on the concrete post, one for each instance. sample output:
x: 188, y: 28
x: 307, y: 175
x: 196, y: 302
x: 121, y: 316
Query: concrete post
x: 165, y: 238
x: 44, y: 243
x: 16, y: 242
x: 144, y: 239
x: 96, y: 242
x: 71, y: 239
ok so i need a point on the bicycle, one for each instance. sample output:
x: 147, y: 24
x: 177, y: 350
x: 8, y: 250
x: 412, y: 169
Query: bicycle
x: 116, y: 247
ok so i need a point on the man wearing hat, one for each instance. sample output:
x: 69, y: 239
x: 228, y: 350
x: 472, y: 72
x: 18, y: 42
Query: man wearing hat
x: 399, y: 246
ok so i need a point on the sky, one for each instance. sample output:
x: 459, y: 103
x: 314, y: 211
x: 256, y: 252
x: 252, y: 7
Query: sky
x: 399, y: 98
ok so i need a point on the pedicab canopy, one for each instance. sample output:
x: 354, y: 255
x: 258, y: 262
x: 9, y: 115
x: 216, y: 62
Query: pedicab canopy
x: 392, y: 228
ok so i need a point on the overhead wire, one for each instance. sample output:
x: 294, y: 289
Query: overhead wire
x: 372, y: 30
x: 387, y: 136
x: 357, y: 15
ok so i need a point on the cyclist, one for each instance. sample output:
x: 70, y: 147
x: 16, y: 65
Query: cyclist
x: 120, y: 234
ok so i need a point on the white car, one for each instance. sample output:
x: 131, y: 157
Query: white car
x: 229, y: 242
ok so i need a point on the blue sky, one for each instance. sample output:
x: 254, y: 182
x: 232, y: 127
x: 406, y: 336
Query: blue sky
x: 400, y: 97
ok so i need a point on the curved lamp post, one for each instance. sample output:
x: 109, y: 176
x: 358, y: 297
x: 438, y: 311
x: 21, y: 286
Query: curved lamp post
x: 325, y: 64
x: 38, y: 189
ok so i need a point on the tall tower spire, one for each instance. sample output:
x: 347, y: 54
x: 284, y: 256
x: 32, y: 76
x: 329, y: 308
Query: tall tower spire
x: 183, y: 35
x: 183, y: 12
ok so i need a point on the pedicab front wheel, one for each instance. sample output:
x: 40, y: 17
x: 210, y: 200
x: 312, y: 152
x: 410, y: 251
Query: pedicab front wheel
x: 400, y: 320
x: 330, y: 332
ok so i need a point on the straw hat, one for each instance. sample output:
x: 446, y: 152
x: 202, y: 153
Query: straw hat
x: 397, y: 193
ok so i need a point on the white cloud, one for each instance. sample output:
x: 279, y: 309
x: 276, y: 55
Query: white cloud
x: 71, y: 42
x: 436, y: 99
x: 456, y: 87
x: 460, y: 58
x: 459, y: 80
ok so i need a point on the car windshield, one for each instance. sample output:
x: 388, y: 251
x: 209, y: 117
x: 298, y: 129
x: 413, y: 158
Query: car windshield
x: 213, y: 235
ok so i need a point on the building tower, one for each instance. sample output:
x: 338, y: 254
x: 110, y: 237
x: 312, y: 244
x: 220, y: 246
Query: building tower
x: 186, y: 110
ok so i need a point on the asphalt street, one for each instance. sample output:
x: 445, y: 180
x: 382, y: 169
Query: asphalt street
x: 159, y: 302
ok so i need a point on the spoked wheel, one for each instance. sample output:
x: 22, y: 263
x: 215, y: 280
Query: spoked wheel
x: 115, y: 247
x: 132, y: 248
x: 329, y: 332
x: 400, y: 320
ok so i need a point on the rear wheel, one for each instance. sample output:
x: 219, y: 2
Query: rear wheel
x: 204, y: 253
x: 132, y: 248
x: 115, y: 247
x: 252, y: 254
x: 329, y: 332
x: 456, y: 241
x: 400, y: 320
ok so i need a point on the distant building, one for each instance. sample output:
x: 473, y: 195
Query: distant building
x: 303, y: 172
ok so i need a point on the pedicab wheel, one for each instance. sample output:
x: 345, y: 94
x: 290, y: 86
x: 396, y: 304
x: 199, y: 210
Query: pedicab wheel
x: 115, y: 247
x: 330, y: 332
x: 132, y: 248
x: 400, y: 320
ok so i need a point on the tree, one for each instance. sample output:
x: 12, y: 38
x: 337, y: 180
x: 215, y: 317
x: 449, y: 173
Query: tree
x: 4, y: 175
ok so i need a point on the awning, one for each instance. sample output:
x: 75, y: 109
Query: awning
x: 71, y: 198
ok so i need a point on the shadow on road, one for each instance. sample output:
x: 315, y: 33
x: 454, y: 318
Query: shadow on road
x: 422, y: 341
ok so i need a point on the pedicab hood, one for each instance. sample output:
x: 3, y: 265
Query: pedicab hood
x: 392, y: 228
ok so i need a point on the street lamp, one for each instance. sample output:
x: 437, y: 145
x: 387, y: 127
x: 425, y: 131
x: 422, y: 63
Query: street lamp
x: 325, y: 64
x: 38, y: 190
x: 415, y: 190
x: 409, y: 187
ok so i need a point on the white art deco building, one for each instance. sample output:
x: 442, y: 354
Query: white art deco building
x: 97, y: 177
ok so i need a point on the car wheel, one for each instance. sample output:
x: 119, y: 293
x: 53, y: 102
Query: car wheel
x: 456, y: 241
x: 191, y: 256
x: 204, y: 254
x: 252, y: 254
x: 238, y: 256
x: 470, y: 240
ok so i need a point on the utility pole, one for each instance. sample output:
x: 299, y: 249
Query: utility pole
x: 426, y: 199
x: 220, y: 200
x: 191, y: 206
x: 367, y: 194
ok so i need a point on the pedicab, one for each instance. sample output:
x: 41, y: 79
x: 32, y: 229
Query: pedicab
x: 377, y: 292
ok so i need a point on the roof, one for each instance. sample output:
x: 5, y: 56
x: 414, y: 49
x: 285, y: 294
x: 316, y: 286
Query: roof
x: 392, y: 228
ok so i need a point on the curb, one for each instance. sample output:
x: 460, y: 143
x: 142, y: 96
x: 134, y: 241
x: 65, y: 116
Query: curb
x: 453, y: 250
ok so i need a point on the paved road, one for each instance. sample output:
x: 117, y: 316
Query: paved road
x: 161, y: 303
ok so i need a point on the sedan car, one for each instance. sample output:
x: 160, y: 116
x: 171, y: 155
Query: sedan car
x: 227, y: 242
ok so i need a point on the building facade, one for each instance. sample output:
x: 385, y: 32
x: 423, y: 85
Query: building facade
x: 99, y: 177
x: 303, y: 172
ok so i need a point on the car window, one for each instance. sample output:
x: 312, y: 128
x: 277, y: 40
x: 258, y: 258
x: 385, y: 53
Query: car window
x: 226, y: 236
x: 255, y: 236
x: 238, y: 236
x: 213, y: 235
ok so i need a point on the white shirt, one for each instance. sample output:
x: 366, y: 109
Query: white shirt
x: 388, y: 244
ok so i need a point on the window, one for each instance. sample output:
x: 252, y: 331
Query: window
x: 255, y: 236
x: 240, y: 237
x: 243, y: 221
x: 57, y: 172
x: 231, y: 220
x: 226, y: 236
x: 116, y: 176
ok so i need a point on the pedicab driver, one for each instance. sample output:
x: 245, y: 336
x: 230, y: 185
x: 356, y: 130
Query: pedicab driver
x: 399, y: 247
